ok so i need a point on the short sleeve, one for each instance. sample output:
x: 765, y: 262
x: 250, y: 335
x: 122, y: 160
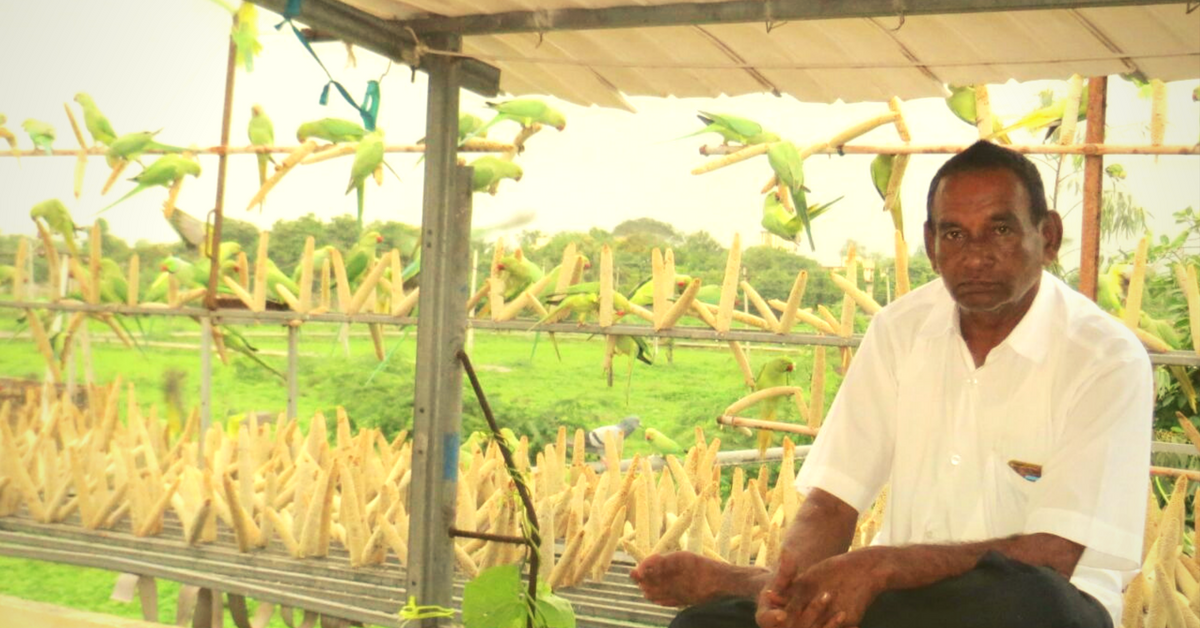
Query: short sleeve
x: 1093, y: 485
x: 852, y: 456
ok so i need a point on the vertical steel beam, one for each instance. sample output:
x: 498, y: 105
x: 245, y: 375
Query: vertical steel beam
x: 1093, y: 188
x: 442, y: 324
x: 293, y: 371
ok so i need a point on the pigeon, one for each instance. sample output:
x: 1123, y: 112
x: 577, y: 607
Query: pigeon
x: 595, y: 438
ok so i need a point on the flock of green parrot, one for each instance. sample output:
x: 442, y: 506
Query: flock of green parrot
x: 789, y: 217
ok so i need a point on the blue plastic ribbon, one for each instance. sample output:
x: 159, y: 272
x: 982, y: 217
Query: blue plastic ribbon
x: 369, y: 110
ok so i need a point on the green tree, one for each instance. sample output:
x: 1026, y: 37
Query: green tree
x: 657, y: 229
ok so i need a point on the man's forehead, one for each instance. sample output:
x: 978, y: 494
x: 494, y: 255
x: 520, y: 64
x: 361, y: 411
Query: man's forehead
x: 996, y: 182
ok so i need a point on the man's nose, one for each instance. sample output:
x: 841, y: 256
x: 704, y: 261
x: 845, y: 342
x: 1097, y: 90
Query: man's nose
x: 981, y: 253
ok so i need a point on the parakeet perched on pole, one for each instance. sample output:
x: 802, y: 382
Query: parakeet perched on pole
x: 773, y: 373
x: 335, y: 130
x: 1048, y: 117
x: 470, y: 125
x: 961, y: 102
x: 237, y: 342
x: 360, y: 255
x: 733, y: 128
x: 261, y: 133
x: 789, y: 169
x: 98, y: 125
x: 517, y: 275
x: 367, y: 159
x: 779, y: 221
x: 594, y: 442
x: 245, y: 35
x: 58, y: 219
x: 165, y: 171
x: 129, y: 147
x: 662, y: 444
x: 490, y: 171
x: 523, y: 111
x: 636, y: 349
x: 41, y: 133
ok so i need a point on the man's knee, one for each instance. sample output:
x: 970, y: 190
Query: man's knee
x: 727, y: 612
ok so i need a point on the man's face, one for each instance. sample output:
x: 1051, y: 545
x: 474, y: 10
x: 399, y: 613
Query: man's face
x: 983, y: 242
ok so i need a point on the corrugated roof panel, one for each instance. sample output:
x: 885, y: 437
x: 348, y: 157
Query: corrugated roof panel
x: 823, y: 60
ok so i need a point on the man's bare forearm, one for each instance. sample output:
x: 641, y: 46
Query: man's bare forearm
x: 912, y: 566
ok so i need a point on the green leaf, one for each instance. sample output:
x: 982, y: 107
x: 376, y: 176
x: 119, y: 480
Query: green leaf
x: 553, y: 611
x: 494, y: 599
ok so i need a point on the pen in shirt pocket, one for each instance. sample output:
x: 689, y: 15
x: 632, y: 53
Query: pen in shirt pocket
x: 1027, y: 470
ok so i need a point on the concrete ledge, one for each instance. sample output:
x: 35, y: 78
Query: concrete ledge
x: 17, y: 612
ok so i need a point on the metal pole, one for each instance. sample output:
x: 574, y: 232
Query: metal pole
x: 1093, y: 188
x: 210, y: 299
x: 437, y: 407
x: 293, y: 371
x: 205, y: 384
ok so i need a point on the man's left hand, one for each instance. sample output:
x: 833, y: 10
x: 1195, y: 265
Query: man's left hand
x: 836, y: 592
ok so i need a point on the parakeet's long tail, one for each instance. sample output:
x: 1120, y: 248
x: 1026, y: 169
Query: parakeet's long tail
x: 361, y: 192
x: 165, y: 147
x: 262, y: 169
x: 764, y: 441
x: 801, y: 204
x: 118, y: 201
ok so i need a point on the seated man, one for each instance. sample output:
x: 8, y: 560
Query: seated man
x: 1011, y: 418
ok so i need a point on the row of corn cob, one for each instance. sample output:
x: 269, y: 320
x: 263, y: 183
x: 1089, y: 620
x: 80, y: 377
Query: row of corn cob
x: 278, y: 486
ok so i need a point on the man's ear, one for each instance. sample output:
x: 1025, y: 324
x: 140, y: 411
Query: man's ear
x: 931, y: 245
x: 1052, y: 235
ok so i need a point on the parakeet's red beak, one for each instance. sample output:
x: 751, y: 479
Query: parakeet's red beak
x: 619, y: 313
x: 649, y: 436
x: 681, y: 284
x: 561, y: 127
x: 587, y: 265
x: 499, y: 266
x: 378, y: 239
x: 790, y: 367
x: 163, y: 268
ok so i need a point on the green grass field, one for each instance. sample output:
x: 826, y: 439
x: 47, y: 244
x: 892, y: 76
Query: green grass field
x: 532, y: 392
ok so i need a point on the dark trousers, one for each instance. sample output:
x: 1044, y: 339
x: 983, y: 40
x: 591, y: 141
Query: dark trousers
x: 998, y: 593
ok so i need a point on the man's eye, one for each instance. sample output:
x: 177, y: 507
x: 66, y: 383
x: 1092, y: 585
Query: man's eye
x: 952, y: 234
x: 1003, y: 230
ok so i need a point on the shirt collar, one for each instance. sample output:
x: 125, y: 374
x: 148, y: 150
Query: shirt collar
x: 1030, y: 338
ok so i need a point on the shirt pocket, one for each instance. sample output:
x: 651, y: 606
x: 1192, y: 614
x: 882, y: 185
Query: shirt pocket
x: 1005, y: 497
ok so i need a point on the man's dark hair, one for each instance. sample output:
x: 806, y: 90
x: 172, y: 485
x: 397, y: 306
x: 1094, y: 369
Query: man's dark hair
x: 984, y: 155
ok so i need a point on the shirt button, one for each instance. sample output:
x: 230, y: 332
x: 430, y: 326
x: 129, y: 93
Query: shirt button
x: 955, y: 459
x: 972, y: 381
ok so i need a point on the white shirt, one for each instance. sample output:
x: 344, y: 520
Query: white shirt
x: 1070, y: 389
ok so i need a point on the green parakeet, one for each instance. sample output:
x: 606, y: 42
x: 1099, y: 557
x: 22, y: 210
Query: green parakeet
x: 275, y: 277
x: 490, y: 171
x: 165, y: 171
x: 1049, y: 117
x: 789, y: 169
x: 129, y: 147
x: 961, y: 102
x: 261, y: 133
x: 98, y: 125
x: 1115, y: 171
x: 523, y: 111
x: 367, y: 159
x: 517, y: 275
x: 360, y: 255
x: 58, y: 219
x: 643, y: 293
x: 581, y: 305
x: 550, y: 285
x: 114, y: 287
x: 881, y: 175
x: 157, y: 291
x: 237, y: 342
x: 183, y: 270
x: 245, y: 36
x: 1110, y: 290
x: 779, y: 221
x: 470, y: 125
x: 41, y: 133
x: 335, y: 130
x: 662, y: 444
x: 320, y: 254
x: 9, y: 137
x: 733, y: 128
x: 773, y: 373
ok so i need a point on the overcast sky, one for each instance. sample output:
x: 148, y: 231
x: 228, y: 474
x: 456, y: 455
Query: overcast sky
x: 151, y: 64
